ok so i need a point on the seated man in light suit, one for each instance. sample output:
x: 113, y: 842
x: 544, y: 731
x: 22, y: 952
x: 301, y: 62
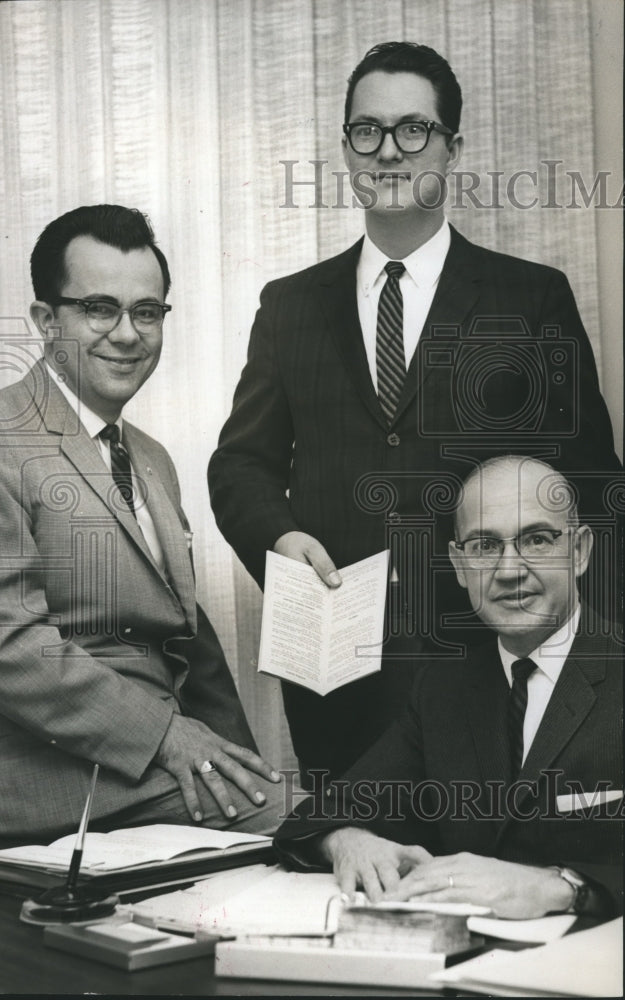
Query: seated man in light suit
x: 105, y: 657
x: 476, y: 793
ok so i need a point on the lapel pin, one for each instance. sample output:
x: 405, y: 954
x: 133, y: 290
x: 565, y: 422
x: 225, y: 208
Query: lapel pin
x: 148, y: 470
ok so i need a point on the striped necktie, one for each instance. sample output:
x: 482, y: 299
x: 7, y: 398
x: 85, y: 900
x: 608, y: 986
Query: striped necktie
x: 517, y: 704
x: 120, y: 464
x: 389, y: 349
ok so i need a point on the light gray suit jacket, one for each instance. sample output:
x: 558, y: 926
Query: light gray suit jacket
x: 97, y: 646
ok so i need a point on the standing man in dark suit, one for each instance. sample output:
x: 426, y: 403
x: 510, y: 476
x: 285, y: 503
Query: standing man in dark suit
x: 379, y: 378
x: 502, y: 783
x: 105, y: 657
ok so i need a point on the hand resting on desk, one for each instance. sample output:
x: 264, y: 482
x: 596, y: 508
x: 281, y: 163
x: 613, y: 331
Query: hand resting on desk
x: 188, y: 743
x: 390, y: 871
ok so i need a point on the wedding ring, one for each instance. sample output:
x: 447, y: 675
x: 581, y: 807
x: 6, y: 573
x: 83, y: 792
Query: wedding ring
x: 450, y: 879
x: 207, y: 767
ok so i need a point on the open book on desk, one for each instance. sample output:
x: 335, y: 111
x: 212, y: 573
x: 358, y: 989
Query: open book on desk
x: 160, y: 854
x: 319, y: 637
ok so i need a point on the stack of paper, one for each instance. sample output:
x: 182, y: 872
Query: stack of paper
x: 586, y: 964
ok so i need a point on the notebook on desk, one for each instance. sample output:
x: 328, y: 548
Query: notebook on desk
x: 124, y: 860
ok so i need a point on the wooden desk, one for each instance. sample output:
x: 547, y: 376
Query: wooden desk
x: 28, y: 967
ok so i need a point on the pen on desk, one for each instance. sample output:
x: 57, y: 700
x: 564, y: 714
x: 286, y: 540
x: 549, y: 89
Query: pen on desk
x: 74, y: 868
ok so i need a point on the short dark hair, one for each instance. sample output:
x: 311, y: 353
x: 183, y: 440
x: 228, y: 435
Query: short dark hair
x: 408, y: 57
x: 124, y: 228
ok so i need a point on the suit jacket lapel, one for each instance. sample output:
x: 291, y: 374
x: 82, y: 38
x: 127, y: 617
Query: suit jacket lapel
x: 168, y: 526
x: 83, y: 453
x: 60, y: 418
x: 340, y: 305
x: 570, y: 702
x: 456, y: 294
x: 486, y: 692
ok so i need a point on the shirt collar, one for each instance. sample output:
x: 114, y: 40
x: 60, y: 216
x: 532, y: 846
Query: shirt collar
x: 92, y: 423
x: 550, y: 656
x: 424, y: 265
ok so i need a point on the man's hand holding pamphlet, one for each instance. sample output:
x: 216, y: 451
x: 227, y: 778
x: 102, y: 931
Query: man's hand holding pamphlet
x: 319, y: 637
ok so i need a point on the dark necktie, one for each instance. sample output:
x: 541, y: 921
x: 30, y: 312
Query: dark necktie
x: 521, y: 670
x: 389, y: 349
x: 120, y: 464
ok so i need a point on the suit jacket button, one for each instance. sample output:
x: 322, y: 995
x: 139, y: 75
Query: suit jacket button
x: 393, y: 440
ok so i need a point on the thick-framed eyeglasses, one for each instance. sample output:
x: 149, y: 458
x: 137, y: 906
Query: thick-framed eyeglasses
x: 533, y: 546
x: 409, y: 137
x: 103, y: 316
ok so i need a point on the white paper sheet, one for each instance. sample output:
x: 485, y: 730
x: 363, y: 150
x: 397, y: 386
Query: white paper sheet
x: 586, y: 964
x: 537, y: 931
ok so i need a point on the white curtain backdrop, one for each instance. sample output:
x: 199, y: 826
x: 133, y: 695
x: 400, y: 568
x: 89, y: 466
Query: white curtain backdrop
x: 186, y: 108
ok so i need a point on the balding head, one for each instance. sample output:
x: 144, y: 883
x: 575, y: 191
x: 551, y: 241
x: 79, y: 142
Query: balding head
x: 519, y: 549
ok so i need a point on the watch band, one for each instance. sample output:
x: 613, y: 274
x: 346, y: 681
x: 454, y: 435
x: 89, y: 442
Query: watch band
x: 579, y: 886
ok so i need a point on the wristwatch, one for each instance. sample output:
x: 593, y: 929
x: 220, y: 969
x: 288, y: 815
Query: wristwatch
x: 578, y: 884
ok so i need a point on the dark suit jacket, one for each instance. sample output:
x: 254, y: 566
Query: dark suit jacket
x: 503, y: 364
x: 97, y: 647
x: 448, y: 757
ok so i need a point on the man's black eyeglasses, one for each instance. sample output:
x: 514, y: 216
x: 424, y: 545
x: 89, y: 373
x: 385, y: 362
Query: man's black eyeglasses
x: 409, y: 137
x: 103, y: 316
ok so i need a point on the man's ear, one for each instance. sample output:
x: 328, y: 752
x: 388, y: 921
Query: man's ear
x: 456, y: 560
x: 454, y: 152
x: 42, y: 315
x: 583, y: 541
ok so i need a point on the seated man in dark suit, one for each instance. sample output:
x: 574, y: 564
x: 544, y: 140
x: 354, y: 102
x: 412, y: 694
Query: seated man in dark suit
x: 105, y: 657
x: 502, y: 783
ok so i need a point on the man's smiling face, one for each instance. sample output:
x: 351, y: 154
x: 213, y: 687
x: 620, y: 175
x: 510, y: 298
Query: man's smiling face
x: 396, y: 180
x: 106, y: 370
x: 523, y: 599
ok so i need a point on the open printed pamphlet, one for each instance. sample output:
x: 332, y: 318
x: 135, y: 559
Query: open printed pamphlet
x: 139, y: 845
x: 319, y: 637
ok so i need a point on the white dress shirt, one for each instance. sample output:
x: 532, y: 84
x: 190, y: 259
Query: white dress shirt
x: 549, y: 658
x: 93, y: 424
x: 418, y: 285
